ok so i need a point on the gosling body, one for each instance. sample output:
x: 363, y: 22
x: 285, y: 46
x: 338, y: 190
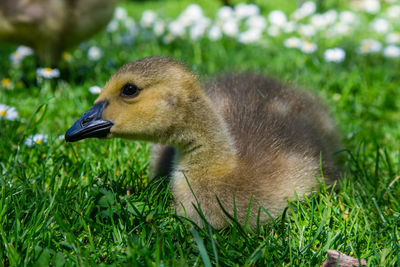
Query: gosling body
x: 240, y: 141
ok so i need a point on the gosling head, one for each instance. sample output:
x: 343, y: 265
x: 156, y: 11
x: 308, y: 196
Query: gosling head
x: 144, y: 100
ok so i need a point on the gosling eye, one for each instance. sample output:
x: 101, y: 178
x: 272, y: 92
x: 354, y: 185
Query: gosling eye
x: 129, y: 90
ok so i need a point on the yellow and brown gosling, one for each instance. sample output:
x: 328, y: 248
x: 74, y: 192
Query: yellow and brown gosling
x: 240, y: 138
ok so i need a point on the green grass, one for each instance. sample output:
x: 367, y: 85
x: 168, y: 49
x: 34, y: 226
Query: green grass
x: 68, y: 204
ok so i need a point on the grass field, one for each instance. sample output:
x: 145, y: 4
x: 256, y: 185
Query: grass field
x: 90, y: 203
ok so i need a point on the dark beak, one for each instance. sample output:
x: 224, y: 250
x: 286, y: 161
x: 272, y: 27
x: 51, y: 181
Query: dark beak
x: 90, y: 124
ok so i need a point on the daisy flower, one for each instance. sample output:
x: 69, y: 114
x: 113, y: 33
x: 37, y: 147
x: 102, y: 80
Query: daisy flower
x: 391, y: 51
x: 257, y: 22
x: 16, y: 58
x: 273, y: 30
x: 36, y: 139
x: 120, y: 13
x: 8, y: 113
x: 381, y: 25
x: 176, y: 29
x: 193, y: 14
x: 7, y: 83
x: 334, y: 55
x: 348, y: 17
x: 230, y: 28
x: 369, y: 46
x: 95, y: 90
x: 19, y: 54
x: 393, y: 38
x: 112, y: 26
x: 243, y: 10
x: 292, y: 42
x: 48, y: 73
x: 159, y: 27
x: 393, y: 12
x: 148, y: 18
x: 277, y: 17
x: 307, y: 30
x: 225, y: 13
x: 250, y: 36
x: 24, y: 51
x: 307, y: 8
x: 308, y: 47
x: 215, y: 33
x: 95, y: 53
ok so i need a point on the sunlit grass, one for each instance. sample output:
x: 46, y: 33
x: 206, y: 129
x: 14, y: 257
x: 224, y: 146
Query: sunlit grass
x: 91, y: 202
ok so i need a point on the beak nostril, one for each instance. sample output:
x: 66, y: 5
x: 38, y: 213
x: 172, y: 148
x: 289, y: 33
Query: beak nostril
x: 86, y: 121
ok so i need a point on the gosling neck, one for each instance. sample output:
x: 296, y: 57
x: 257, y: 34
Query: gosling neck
x: 204, y: 143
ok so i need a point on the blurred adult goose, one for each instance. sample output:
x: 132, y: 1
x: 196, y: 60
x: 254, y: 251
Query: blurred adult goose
x: 51, y: 26
x: 241, y: 141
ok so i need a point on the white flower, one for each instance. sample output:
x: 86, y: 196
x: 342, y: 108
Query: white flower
x: 318, y: 21
x: 225, y: 13
x: 250, y: 36
x: 290, y: 27
x: 348, y: 17
x: 330, y: 16
x: 306, y: 9
x: 48, y: 73
x: 246, y: 10
x: 176, y: 28
x: 393, y: 12
x: 148, y: 18
x: 308, y: 47
x: 273, y: 30
x: 391, y: 51
x: 381, y: 25
x: 197, y: 31
x: 202, y: 22
x: 393, y: 38
x: 257, y: 22
x: 19, y: 54
x: 339, y: 29
x: 24, y: 50
x: 334, y: 55
x: 292, y: 42
x: 369, y: 46
x: 16, y: 58
x: 306, y: 30
x: 159, y: 27
x: 95, y: 90
x: 230, y: 28
x: 214, y: 33
x: 277, y: 17
x: 36, y: 139
x: 130, y: 24
x: 8, y: 113
x: 371, y: 6
x: 7, y: 83
x: 95, y: 53
x: 309, y: 7
x: 112, y: 26
x: 120, y: 13
x: 191, y: 15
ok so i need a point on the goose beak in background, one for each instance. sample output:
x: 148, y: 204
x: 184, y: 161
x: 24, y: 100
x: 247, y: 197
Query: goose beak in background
x: 90, y: 124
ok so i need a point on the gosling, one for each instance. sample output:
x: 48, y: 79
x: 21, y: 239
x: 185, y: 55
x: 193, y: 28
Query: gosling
x: 240, y: 142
